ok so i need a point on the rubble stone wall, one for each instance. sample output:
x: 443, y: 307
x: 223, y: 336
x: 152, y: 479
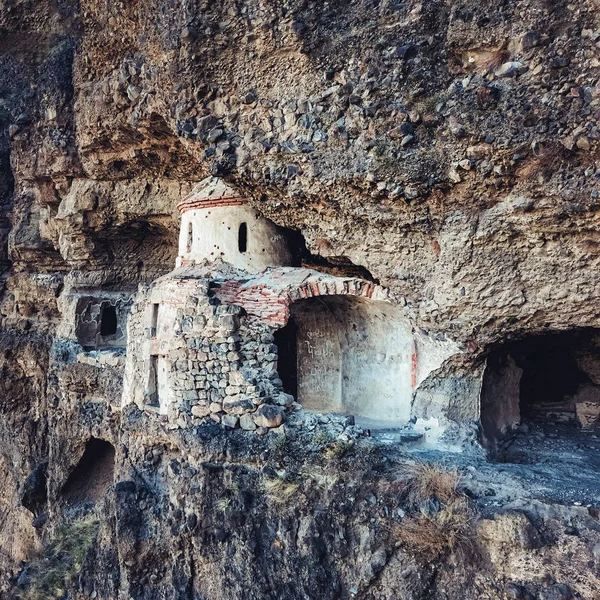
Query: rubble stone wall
x: 217, y: 364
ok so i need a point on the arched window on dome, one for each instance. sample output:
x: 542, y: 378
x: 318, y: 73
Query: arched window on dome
x: 243, y: 238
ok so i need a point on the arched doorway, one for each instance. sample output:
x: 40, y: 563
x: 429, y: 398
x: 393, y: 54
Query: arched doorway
x: 345, y: 354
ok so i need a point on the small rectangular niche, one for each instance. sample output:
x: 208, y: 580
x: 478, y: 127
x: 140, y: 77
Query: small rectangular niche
x: 154, y: 321
x: 152, y: 390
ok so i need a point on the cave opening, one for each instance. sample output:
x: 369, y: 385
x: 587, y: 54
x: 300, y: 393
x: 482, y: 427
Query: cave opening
x: 108, y: 321
x: 550, y: 380
x: 287, y: 357
x: 101, y: 322
x: 93, y: 474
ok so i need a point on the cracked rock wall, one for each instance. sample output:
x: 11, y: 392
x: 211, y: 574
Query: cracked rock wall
x: 449, y: 148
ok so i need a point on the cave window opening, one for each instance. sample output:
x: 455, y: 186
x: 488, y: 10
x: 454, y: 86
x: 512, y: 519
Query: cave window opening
x: 154, y: 321
x: 93, y: 474
x: 108, y: 321
x: 190, y: 237
x: 287, y: 357
x: 243, y: 238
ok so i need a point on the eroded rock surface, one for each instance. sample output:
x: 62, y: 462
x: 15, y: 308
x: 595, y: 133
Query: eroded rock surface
x: 446, y: 150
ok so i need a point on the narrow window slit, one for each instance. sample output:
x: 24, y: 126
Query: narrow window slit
x: 154, y: 322
x: 243, y: 238
x: 153, y: 382
x: 190, y: 237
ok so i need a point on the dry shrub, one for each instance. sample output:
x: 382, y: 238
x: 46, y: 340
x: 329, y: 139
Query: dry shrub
x: 279, y: 490
x: 450, y: 530
x: 430, y: 481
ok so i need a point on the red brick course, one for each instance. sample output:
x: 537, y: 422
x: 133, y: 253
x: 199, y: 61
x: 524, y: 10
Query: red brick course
x: 197, y: 203
x: 270, y: 300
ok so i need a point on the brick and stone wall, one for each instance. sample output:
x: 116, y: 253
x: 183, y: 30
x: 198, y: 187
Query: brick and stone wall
x: 217, y: 364
x: 202, y: 345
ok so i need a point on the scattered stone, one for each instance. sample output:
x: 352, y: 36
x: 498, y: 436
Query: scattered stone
x: 247, y: 423
x: 188, y: 33
x: 560, y: 591
x: 414, y: 117
x: 570, y: 530
x: 214, y: 134
x: 583, y: 143
x: 249, y: 98
x: 509, y: 68
x: 405, y: 52
x: 530, y: 40
x: 132, y: 93
x: 230, y: 421
x: 514, y: 591
x: 269, y: 416
x: 453, y: 176
x: 479, y: 151
x: 559, y: 62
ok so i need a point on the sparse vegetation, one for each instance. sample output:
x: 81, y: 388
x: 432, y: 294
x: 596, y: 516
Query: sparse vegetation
x: 279, y: 489
x: 449, y: 531
x: 427, y: 481
x: 60, y: 561
x: 442, y: 521
x: 337, y: 449
x: 223, y: 504
x: 428, y: 104
x: 322, y: 438
x: 278, y: 445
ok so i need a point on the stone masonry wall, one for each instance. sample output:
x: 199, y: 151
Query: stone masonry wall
x: 215, y: 363
x: 212, y: 353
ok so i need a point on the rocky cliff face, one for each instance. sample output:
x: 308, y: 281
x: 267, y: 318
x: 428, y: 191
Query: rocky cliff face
x: 449, y: 149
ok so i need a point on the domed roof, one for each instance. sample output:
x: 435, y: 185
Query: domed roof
x: 210, y: 192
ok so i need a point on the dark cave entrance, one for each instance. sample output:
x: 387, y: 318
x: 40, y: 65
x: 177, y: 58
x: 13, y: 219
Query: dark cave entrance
x: 546, y: 380
x: 93, y: 474
x: 550, y: 379
x: 108, y: 321
x: 102, y: 322
x: 287, y: 357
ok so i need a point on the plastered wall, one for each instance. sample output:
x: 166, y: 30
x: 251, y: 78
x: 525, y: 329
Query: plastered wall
x: 354, y: 356
x: 215, y: 234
